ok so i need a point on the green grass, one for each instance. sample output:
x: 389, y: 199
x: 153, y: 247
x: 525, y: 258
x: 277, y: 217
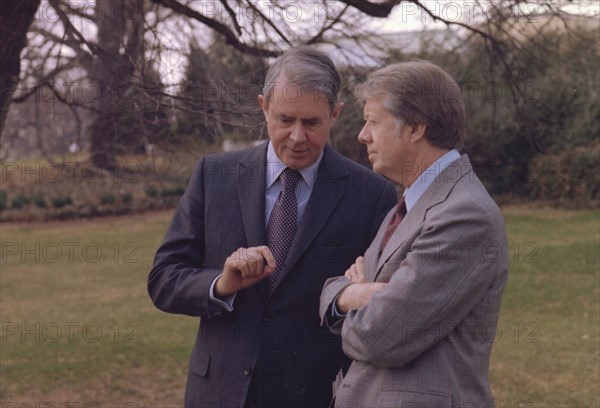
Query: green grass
x: 115, y: 348
x: 547, y: 353
x: 77, y: 323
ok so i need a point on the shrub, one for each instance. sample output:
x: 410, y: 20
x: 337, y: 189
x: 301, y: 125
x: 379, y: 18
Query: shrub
x: 61, y: 201
x: 126, y: 197
x: 19, y: 201
x: 568, y: 178
x: 151, y: 191
x: 108, y: 198
x: 172, y: 191
x: 38, y: 200
x: 3, y: 199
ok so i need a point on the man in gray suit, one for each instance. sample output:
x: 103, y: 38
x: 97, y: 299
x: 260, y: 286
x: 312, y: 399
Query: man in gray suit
x: 417, y: 315
x: 253, y: 240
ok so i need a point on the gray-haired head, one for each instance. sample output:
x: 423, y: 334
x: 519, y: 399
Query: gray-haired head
x: 419, y: 92
x: 307, y: 69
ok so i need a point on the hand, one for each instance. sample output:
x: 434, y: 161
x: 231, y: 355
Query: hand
x: 357, y: 295
x: 244, y: 268
x: 355, y: 272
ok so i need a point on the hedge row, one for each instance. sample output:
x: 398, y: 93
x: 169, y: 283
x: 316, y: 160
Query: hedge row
x: 570, y: 178
x: 42, y: 206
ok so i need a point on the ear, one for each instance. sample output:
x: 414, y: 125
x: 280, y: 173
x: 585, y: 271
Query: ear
x: 417, y: 132
x: 337, y: 111
x: 264, y: 104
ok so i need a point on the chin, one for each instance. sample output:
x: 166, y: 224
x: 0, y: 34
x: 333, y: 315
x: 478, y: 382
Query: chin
x: 376, y: 167
x: 299, y: 162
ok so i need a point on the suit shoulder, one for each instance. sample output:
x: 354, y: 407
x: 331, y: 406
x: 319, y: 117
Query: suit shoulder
x: 467, y: 201
x: 251, y: 155
x: 470, y: 186
x: 236, y: 156
x: 219, y: 169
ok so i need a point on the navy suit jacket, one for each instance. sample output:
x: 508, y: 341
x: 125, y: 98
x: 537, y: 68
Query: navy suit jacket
x: 274, y: 339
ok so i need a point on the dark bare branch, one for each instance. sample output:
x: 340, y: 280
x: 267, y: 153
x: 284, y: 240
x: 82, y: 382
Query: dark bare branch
x: 217, y: 26
x: 319, y: 36
x: 71, y: 30
x: 382, y: 9
x: 233, y: 17
x: 269, y: 22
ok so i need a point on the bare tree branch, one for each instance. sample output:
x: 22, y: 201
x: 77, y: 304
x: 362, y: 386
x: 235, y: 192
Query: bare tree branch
x: 71, y: 30
x: 382, y: 9
x: 233, y: 17
x: 269, y: 22
x: 219, y: 27
x: 319, y: 36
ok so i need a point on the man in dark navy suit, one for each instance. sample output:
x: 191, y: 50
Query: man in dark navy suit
x: 253, y: 240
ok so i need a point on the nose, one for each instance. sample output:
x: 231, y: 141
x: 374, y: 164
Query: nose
x: 298, y: 133
x: 365, y: 135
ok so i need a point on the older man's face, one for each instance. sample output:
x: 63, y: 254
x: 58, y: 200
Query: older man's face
x: 388, y: 145
x: 298, y: 123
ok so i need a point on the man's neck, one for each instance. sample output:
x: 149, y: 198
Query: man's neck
x: 422, y: 163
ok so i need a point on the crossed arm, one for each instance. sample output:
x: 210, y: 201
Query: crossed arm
x: 434, y: 288
x: 359, y: 292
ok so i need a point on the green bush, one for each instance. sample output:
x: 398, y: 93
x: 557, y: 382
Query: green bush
x: 3, y: 199
x: 38, y: 200
x: 172, y: 191
x: 61, y: 201
x: 108, y: 198
x: 571, y: 177
x: 151, y: 191
x: 127, y: 197
x: 19, y: 201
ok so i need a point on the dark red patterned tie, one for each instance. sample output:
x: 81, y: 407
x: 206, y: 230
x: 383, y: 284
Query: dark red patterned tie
x: 394, y: 222
x: 281, y: 227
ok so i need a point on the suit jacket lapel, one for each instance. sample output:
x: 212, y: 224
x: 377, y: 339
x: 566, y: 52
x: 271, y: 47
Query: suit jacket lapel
x: 326, y: 194
x: 251, y: 193
x: 437, y: 192
x: 372, y: 254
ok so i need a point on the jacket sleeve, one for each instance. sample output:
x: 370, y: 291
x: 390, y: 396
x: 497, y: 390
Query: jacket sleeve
x: 331, y: 289
x: 178, y: 282
x: 451, y: 265
x: 333, y: 286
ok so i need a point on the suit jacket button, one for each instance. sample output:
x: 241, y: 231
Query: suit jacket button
x: 246, y: 371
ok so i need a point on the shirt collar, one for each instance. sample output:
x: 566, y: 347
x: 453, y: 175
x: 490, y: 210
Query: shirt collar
x: 416, y: 190
x: 275, y: 166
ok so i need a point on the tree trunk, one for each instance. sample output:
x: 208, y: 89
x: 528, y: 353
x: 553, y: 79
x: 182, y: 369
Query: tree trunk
x: 120, y: 35
x: 15, y: 18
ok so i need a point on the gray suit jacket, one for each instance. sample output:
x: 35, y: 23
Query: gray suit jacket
x: 425, y: 339
x: 273, y: 340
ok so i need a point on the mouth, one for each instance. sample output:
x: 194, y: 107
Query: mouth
x: 298, y: 151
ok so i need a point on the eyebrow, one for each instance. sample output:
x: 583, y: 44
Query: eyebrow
x: 311, y: 119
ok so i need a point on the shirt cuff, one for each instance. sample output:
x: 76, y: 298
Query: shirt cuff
x: 334, y: 314
x: 225, y: 303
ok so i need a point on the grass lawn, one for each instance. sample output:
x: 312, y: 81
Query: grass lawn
x: 77, y: 326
